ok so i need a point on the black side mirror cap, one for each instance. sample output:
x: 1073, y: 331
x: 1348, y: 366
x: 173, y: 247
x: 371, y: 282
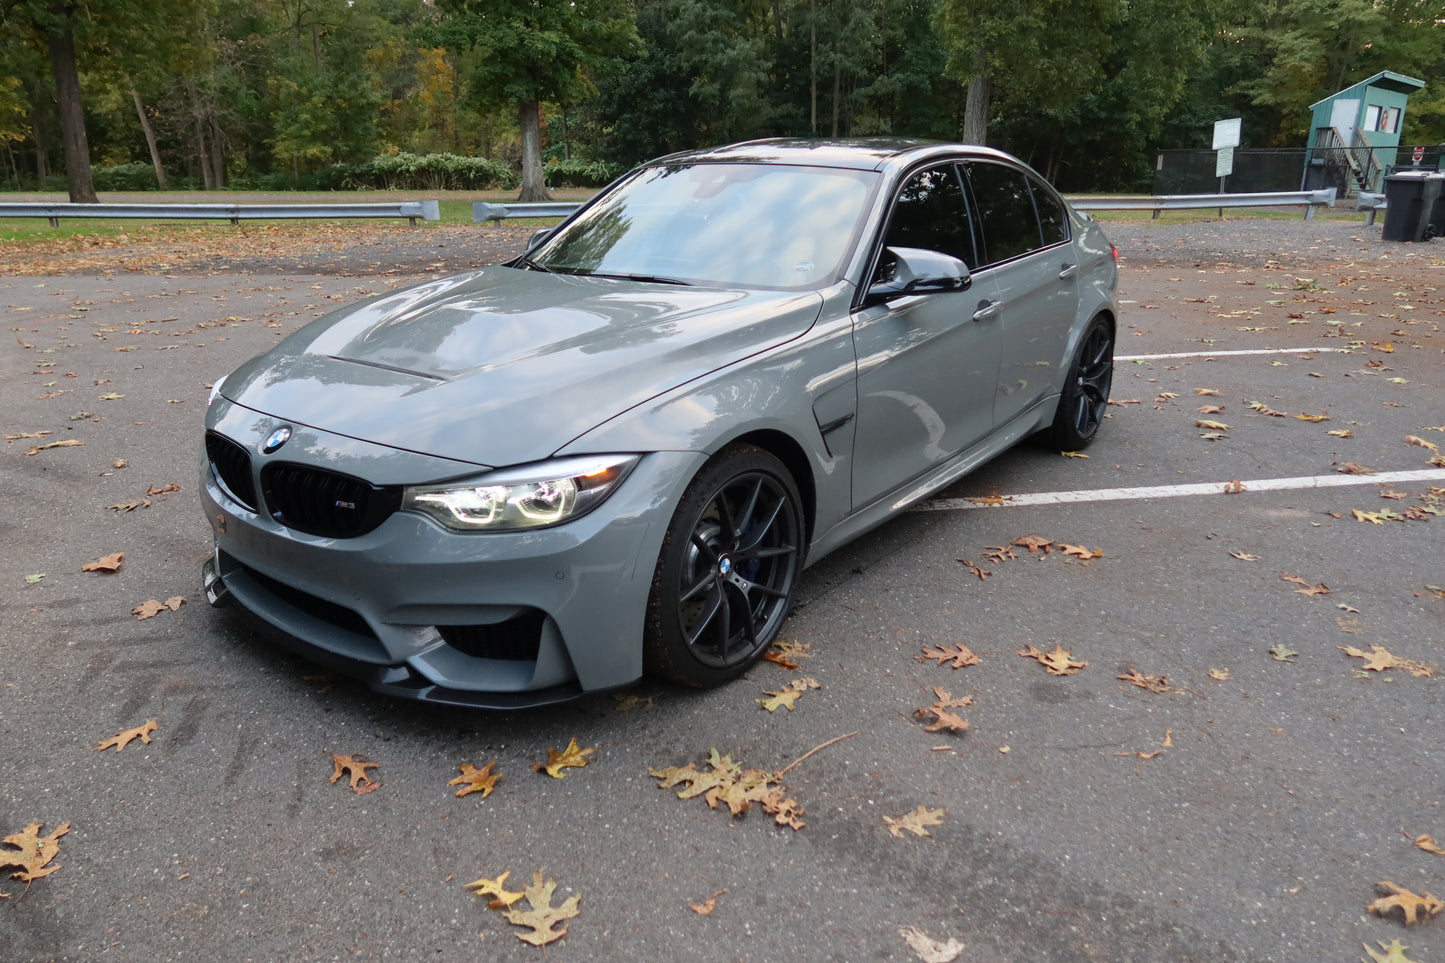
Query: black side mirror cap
x: 918, y: 271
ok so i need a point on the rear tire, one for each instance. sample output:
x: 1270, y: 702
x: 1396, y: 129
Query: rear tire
x: 727, y: 571
x: 1085, y: 397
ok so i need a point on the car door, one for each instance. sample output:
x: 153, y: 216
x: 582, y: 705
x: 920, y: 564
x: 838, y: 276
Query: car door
x: 1033, y: 263
x: 927, y: 364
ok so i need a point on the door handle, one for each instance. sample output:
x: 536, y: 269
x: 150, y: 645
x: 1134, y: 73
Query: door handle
x: 1068, y: 271
x: 987, y: 310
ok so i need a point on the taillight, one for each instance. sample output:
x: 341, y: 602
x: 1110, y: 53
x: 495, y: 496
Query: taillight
x: 1114, y: 251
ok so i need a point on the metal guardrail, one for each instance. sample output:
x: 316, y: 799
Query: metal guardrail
x: 1374, y: 203
x: 1309, y: 200
x: 483, y: 211
x: 235, y: 213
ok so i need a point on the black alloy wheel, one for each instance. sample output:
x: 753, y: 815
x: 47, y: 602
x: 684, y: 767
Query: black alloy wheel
x: 1085, y: 397
x: 728, y: 569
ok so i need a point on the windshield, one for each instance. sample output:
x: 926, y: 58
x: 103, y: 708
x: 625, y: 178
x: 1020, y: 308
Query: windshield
x: 744, y: 225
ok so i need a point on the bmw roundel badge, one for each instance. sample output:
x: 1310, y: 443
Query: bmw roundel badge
x: 276, y: 439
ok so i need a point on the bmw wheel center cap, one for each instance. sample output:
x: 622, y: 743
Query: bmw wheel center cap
x: 276, y: 439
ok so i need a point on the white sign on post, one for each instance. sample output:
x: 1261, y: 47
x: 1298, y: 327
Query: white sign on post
x: 1224, y: 162
x: 1226, y: 133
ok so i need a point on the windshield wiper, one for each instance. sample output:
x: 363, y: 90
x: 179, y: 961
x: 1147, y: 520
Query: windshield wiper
x: 532, y: 265
x: 648, y: 278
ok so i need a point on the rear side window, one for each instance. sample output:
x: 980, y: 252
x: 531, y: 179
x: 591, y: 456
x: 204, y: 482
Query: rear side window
x: 1004, y: 205
x: 1052, y: 220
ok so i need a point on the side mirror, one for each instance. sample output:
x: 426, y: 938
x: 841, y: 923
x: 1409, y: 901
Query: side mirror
x: 907, y: 271
x: 538, y: 236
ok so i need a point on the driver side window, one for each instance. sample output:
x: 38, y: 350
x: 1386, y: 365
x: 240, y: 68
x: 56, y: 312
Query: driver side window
x: 929, y: 213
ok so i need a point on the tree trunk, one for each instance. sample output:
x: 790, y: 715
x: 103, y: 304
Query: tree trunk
x: 72, y: 112
x: 534, y: 184
x: 217, y: 142
x: 145, y: 126
x: 201, y: 147
x: 975, y: 110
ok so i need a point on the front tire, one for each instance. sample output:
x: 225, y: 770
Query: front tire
x: 1085, y: 397
x: 729, y: 565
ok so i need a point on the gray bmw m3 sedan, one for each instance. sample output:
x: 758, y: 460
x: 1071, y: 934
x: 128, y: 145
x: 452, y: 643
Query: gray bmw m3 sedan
x: 616, y: 454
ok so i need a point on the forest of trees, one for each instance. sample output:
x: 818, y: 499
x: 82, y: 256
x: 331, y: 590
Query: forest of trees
x: 332, y: 93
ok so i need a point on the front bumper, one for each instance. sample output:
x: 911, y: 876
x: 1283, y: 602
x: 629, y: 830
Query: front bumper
x: 498, y: 620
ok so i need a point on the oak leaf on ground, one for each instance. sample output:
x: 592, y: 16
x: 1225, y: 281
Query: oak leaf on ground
x: 787, y: 697
x: 1081, y: 551
x: 543, y: 917
x: 943, y: 717
x: 928, y: 949
x: 32, y: 854
x: 355, y: 768
x: 1379, y: 658
x: 1058, y: 662
x: 1413, y: 906
x: 122, y: 739
x: 1318, y: 588
x: 1035, y: 544
x: 574, y: 756
x: 728, y: 783
x: 496, y: 889
x: 152, y: 608
x: 473, y: 779
x: 786, y: 654
x: 1427, y: 842
x: 1283, y: 654
x: 915, y: 822
x: 706, y: 907
x: 1154, y: 683
x: 1394, y: 953
x: 959, y: 656
x: 106, y: 563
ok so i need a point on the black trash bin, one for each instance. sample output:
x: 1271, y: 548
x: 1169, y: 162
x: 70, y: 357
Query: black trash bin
x: 1410, y: 205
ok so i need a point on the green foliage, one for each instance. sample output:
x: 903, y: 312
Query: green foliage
x: 125, y: 177
x: 581, y: 173
x: 432, y: 172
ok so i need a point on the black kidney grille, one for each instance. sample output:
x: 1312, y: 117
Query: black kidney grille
x: 326, y: 503
x: 232, y: 465
x: 515, y: 640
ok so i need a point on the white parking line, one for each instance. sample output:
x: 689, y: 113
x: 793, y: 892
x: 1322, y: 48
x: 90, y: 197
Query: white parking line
x: 1173, y: 491
x: 1225, y: 354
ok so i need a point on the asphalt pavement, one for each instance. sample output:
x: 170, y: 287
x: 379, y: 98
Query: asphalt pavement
x: 1244, y: 812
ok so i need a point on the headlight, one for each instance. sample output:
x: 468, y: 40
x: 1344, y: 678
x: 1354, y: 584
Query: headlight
x: 531, y: 496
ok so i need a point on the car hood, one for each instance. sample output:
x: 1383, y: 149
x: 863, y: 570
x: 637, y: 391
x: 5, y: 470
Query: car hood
x: 504, y: 366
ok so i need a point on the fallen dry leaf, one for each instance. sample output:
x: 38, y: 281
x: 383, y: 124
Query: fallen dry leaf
x: 496, y: 889
x: 1427, y: 842
x: 974, y: 568
x: 915, y: 822
x: 1409, y: 440
x: 1034, y: 544
x: 1211, y: 425
x: 355, y: 767
x: 785, y: 654
x: 1057, y: 662
x: 1319, y: 588
x: 32, y: 853
x: 960, y: 656
x: 67, y: 443
x: 1413, y: 906
x: 1080, y: 551
x: 1313, y: 418
x: 473, y: 779
x: 706, y: 907
x: 1378, y: 659
x: 1219, y: 675
x: 152, y: 608
x: 573, y: 756
x: 106, y: 563
x: 1154, y: 683
x: 1394, y: 953
x: 543, y: 917
x: 1234, y: 487
x: 787, y: 697
x: 928, y: 949
x: 728, y: 783
x: 942, y: 717
x: 1282, y: 654
x: 122, y: 739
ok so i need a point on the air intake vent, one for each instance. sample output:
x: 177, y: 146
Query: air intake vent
x: 515, y: 640
x: 325, y: 503
x: 232, y: 465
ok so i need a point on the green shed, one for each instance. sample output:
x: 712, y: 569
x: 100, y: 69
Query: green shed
x: 1354, y: 133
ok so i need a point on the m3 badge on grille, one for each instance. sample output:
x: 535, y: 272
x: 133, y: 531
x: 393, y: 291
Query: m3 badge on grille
x: 276, y: 439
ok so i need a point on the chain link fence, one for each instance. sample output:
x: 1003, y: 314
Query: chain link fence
x: 1263, y: 169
